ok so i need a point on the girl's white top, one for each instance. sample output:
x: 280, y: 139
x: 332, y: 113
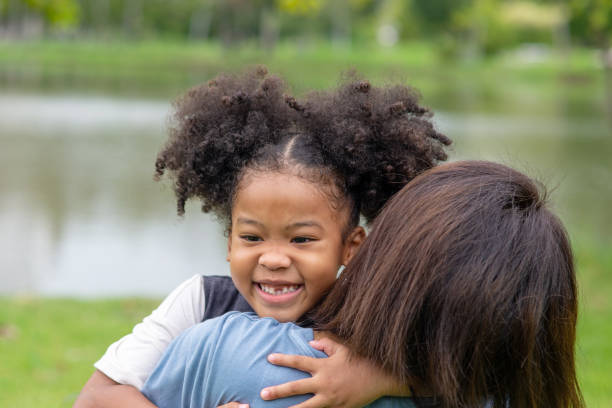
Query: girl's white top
x: 131, y: 359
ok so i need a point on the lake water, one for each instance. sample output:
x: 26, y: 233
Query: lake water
x: 81, y: 216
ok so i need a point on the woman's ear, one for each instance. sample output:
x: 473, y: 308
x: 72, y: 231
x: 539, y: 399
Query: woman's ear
x: 352, y: 244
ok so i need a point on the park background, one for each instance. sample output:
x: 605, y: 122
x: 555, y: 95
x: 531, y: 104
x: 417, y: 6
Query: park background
x: 90, y: 243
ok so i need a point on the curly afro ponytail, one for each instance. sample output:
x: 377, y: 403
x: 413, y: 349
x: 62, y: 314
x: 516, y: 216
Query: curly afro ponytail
x: 375, y: 138
x: 214, y: 132
x: 365, y: 142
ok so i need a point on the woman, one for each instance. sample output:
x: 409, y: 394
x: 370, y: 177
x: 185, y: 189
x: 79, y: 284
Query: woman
x: 464, y: 291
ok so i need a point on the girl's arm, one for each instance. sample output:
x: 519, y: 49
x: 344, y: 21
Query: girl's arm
x: 127, y: 363
x: 337, y: 381
x: 101, y: 391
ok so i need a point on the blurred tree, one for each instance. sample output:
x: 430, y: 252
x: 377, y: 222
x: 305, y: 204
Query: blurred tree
x: 469, y: 27
x: 339, y: 13
x: 488, y: 26
x: 236, y: 20
x: 133, y: 23
x: 394, y: 19
x: 200, y: 19
x: 186, y: 18
x: 591, y: 23
x: 437, y: 16
x: 300, y: 7
x: 269, y: 24
x: 100, y: 14
x: 57, y: 15
x: 3, y: 9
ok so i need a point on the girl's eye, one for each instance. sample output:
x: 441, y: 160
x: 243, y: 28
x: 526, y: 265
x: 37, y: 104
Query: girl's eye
x: 251, y: 238
x: 301, y: 240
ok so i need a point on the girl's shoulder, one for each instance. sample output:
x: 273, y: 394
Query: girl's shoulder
x: 221, y: 296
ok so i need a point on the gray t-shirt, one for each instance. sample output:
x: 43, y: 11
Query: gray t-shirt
x: 225, y: 359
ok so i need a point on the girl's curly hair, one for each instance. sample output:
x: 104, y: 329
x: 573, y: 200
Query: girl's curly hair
x: 366, y: 142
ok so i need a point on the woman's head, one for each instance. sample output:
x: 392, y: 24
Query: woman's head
x: 466, y: 283
x: 240, y: 143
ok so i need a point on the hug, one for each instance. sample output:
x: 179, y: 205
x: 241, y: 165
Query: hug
x: 462, y: 295
x: 464, y: 289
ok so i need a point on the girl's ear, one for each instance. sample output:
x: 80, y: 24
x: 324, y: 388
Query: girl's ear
x: 229, y: 247
x: 352, y: 244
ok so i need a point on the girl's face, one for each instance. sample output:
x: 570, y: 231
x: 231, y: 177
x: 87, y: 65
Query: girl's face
x: 286, y: 244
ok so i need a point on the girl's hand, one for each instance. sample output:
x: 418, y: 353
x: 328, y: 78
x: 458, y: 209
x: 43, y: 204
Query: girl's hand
x: 233, y: 405
x: 336, y: 381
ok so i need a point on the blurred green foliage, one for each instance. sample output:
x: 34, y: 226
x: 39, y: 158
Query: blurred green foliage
x: 461, y: 26
x: 160, y: 69
x: 591, y: 20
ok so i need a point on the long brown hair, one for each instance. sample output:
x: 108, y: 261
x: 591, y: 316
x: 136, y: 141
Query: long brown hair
x: 466, y: 283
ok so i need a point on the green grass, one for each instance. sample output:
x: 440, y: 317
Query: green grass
x: 594, y: 351
x: 48, y: 346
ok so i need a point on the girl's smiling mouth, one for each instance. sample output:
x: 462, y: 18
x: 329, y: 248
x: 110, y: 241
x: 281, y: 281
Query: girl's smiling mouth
x: 278, y: 292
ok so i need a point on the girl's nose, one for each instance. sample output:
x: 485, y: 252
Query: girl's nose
x: 274, y: 259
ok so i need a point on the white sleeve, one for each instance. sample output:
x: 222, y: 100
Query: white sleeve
x: 131, y: 359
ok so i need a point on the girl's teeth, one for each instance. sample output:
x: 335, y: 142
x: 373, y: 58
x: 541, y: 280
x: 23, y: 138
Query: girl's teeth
x: 272, y: 291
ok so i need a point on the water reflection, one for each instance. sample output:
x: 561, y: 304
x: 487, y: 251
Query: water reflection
x: 80, y: 214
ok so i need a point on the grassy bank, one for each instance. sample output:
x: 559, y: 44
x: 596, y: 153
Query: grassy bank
x: 164, y: 69
x: 47, y: 346
x: 594, y: 351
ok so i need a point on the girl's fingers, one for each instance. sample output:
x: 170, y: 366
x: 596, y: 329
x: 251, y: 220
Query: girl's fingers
x: 326, y: 345
x: 302, y: 363
x: 316, y: 344
x: 298, y: 387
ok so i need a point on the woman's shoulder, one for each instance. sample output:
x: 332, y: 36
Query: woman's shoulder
x: 234, y: 321
x: 247, y: 321
x: 241, y: 329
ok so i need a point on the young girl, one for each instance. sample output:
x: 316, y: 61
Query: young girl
x: 289, y: 179
x: 465, y: 290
